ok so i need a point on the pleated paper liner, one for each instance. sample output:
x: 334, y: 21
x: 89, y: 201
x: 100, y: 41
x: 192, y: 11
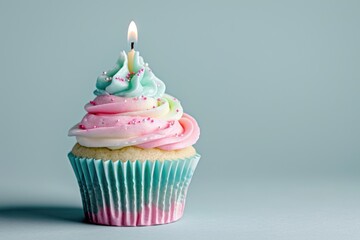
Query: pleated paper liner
x: 133, y: 193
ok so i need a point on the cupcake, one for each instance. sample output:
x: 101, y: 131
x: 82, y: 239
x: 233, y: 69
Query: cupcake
x: 134, y: 157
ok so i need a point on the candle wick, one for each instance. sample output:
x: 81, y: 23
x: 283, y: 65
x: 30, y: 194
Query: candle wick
x: 132, y: 45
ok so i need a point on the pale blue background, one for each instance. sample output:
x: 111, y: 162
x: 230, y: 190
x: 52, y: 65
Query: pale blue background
x: 274, y: 85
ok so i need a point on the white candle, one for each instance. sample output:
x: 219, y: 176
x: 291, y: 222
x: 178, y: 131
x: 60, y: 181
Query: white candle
x: 132, y: 38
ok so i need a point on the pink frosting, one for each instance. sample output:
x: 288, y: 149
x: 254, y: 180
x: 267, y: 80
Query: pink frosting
x: 116, y: 122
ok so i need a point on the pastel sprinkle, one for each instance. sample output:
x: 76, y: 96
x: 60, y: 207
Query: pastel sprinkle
x: 81, y: 126
x: 120, y: 79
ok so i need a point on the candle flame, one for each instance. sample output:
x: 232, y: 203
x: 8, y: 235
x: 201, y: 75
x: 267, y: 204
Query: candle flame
x: 132, y: 32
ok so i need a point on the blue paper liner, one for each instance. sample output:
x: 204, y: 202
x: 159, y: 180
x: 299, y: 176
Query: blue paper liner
x: 133, y: 193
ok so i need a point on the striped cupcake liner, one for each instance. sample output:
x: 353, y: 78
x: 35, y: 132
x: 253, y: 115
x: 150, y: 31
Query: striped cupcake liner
x: 133, y: 193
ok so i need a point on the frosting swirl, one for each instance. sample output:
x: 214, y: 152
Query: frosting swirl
x: 131, y: 109
x: 120, y: 81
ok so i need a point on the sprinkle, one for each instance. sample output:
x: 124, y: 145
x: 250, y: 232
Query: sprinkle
x: 81, y: 126
x: 129, y: 123
x: 104, y: 72
x: 111, y: 99
x: 118, y: 120
x: 159, y: 127
x: 153, y: 106
x: 133, y: 121
x: 159, y: 99
x: 152, y: 120
x: 120, y: 79
x: 144, y: 98
x: 177, y: 110
x: 138, y: 121
x: 144, y: 120
x: 174, y: 99
x: 148, y: 118
x: 92, y: 103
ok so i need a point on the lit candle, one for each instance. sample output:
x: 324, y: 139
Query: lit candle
x: 132, y: 38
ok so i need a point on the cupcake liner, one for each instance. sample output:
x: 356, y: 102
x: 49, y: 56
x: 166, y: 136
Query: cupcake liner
x: 133, y: 193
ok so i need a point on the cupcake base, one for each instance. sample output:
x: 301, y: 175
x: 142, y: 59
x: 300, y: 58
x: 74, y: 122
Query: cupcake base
x: 133, y: 193
x: 149, y: 216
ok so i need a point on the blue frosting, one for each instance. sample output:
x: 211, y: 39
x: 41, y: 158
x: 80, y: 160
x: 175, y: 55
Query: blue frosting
x: 120, y: 81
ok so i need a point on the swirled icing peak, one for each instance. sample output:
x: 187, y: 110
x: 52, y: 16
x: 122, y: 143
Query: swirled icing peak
x: 132, y: 109
x: 120, y: 81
